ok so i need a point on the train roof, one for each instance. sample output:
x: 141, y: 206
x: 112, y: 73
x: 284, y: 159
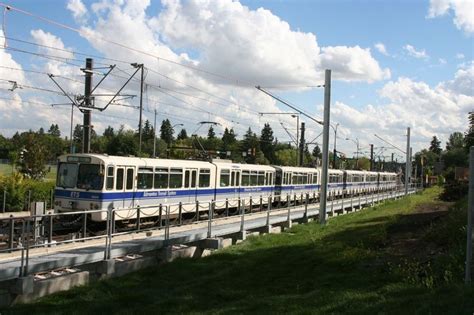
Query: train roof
x: 253, y: 167
x: 355, y: 172
x: 296, y: 169
x: 125, y: 160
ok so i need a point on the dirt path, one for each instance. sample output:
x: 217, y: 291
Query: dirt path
x: 405, y: 238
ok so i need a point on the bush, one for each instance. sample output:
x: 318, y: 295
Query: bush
x: 17, y: 189
x: 454, y: 191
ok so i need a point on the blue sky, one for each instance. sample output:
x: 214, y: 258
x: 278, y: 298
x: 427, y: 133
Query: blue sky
x: 372, y: 91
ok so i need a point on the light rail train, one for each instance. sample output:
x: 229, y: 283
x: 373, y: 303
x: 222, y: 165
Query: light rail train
x: 100, y: 182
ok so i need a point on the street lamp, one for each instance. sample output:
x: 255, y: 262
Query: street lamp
x: 356, y: 141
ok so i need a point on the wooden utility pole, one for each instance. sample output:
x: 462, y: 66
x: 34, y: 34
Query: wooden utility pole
x: 86, y: 136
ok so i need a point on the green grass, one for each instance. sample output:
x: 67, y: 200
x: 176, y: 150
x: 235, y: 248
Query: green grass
x: 6, y: 169
x: 347, y: 266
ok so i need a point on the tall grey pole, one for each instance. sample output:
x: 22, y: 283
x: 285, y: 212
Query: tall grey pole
x: 470, y: 217
x: 71, y: 135
x: 297, y: 139
x: 301, y: 147
x: 141, y: 113
x: 86, y: 138
x: 324, y: 173
x: 408, y: 162
x: 154, y: 136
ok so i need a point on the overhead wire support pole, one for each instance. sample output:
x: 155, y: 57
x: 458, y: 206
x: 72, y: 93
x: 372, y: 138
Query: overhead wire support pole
x: 324, y: 175
x: 407, y: 163
x: 141, y: 109
x: 154, y: 136
x: 86, y: 146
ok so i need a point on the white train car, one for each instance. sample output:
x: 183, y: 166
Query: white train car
x: 335, y: 182
x: 291, y: 181
x: 371, y: 181
x: 354, y: 182
x: 101, y: 182
x: 387, y: 181
x: 242, y: 181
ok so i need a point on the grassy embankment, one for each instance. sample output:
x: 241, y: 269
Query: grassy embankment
x: 6, y: 169
x: 402, y: 257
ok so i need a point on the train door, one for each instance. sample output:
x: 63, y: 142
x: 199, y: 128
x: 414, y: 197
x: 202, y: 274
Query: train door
x: 235, y: 183
x: 278, y: 182
x: 120, y: 187
x: 129, y: 200
x: 190, y: 176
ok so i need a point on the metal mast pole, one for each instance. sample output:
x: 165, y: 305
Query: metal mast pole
x: 72, y: 126
x: 407, y: 164
x: 141, y: 113
x: 301, y: 148
x: 334, y: 157
x: 372, y: 157
x: 297, y: 139
x: 154, y: 136
x: 324, y: 175
x: 86, y: 144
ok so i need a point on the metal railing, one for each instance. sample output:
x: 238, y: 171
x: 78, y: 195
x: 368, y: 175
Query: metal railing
x: 38, y: 231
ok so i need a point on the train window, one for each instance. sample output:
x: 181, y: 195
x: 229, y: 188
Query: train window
x: 110, y: 178
x: 90, y: 176
x: 294, y: 178
x: 161, y: 178
x: 130, y: 178
x: 176, y: 178
x: 193, y: 178
x: 225, y: 178
x: 245, y: 178
x: 237, y: 179
x: 67, y: 175
x: 145, y: 178
x: 119, y: 182
x: 204, y: 177
x: 315, y: 178
x: 254, y: 178
x: 261, y: 178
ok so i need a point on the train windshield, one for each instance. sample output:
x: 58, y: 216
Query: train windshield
x: 67, y: 175
x: 90, y: 176
x: 82, y: 176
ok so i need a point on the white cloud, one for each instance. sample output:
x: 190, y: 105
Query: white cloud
x: 78, y: 9
x: 438, y: 110
x: 415, y: 53
x: 352, y: 64
x: 381, y: 49
x: 463, y: 12
x: 442, y: 61
x: 459, y: 56
x: 255, y: 45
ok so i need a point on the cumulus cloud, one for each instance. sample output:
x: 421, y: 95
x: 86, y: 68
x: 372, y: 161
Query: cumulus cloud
x: 420, y: 54
x: 78, y: 9
x: 459, y: 56
x: 381, y: 49
x: 463, y: 12
x: 352, y: 64
x: 256, y: 45
x: 437, y: 110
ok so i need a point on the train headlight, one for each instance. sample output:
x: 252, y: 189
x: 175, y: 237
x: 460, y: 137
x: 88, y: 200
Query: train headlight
x: 94, y: 206
x: 57, y: 203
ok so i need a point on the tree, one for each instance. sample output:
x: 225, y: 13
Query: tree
x: 147, y: 132
x: 33, y: 157
x: 166, y: 132
x: 435, y: 145
x: 109, y: 132
x: 456, y: 141
x: 317, y: 152
x: 211, y: 134
x: 250, y: 145
x: 266, y: 143
x: 124, y: 143
x: 54, y: 130
x: 182, y: 134
x: 469, y: 138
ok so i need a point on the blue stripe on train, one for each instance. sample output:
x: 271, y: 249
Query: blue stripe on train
x: 153, y: 194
